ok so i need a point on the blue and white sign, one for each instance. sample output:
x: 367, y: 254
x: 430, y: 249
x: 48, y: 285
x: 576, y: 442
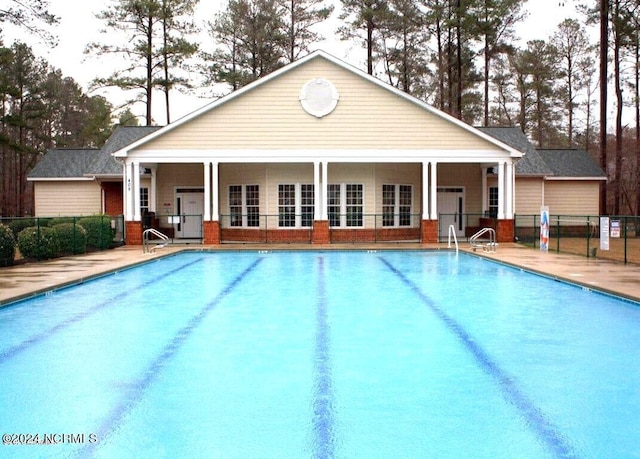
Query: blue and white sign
x: 544, y: 228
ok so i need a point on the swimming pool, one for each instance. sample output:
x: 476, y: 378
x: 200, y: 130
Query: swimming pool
x: 321, y: 354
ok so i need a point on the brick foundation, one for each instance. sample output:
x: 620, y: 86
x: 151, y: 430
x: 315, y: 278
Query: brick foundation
x: 273, y: 236
x: 211, y: 232
x: 505, y: 231
x: 320, y: 233
x: 343, y: 235
x: 133, y: 233
x: 429, y: 231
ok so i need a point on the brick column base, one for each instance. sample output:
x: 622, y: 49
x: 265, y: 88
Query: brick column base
x: 211, y: 232
x: 320, y: 232
x: 133, y: 233
x: 505, y: 231
x: 429, y: 231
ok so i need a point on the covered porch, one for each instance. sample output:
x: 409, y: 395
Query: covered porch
x: 386, y: 197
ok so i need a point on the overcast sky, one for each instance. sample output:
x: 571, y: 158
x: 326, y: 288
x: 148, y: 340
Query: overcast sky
x: 78, y: 26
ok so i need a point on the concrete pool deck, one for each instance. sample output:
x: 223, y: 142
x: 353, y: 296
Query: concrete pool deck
x: 29, y: 279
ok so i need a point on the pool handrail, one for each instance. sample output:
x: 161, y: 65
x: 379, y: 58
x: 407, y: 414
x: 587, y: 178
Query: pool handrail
x: 145, y: 240
x: 490, y: 246
x: 452, y: 231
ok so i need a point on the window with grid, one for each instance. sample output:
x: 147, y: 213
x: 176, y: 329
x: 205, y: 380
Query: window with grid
x: 286, y: 205
x: 388, y: 205
x: 397, y: 202
x: 307, y: 203
x: 405, y: 202
x: 244, y: 205
x: 354, y: 205
x: 253, y: 205
x: 235, y: 204
x: 144, y: 200
x: 493, y: 201
x: 334, y: 204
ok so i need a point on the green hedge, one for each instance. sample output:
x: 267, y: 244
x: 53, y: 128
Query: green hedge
x: 7, y: 246
x: 73, y: 238
x: 99, y: 232
x: 40, y: 242
x: 20, y: 224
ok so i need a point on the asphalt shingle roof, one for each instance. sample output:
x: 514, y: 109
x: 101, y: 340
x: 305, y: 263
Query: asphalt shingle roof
x: 74, y: 163
x: 80, y: 162
x: 553, y: 163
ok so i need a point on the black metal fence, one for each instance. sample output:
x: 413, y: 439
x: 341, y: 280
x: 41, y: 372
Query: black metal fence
x: 581, y: 235
x: 298, y: 228
x: 50, y: 237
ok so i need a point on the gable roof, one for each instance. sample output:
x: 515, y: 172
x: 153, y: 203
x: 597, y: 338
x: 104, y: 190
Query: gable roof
x: 342, y: 65
x: 556, y: 163
x: 87, y: 163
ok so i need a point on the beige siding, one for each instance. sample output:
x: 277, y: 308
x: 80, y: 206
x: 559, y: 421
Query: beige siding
x: 271, y: 117
x: 172, y: 176
x: 572, y: 197
x: 528, y: 196
x: 54, y: 199
x: 284, y: 174
x: 468, y: 176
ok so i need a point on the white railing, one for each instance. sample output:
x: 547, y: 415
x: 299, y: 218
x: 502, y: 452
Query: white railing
x: 486, y: 246
x: 452, y: 233
x: 147, y: 246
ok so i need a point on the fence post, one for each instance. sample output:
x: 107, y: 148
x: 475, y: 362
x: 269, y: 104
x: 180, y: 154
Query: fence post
x: 588, y: 235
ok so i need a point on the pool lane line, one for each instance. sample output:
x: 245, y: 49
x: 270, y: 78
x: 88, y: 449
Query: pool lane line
x: 535, y: 418
x: 151, y: 373
x: 323, y: 423
x: 26, y: 344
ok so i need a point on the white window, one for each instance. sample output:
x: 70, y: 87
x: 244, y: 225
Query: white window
x: 295, y: 205
x: 493, y: 201
x: 346, y: 205
x: 144, y: 200
x: 244, y: 205
x: 397, y: 204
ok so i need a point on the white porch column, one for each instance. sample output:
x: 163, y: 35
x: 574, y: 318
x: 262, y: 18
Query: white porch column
x: 485, y: 198
x: 434, y: 191
x: 425, y: 190
x: 215, y: 193
x: 153, y: 192
x: 126, y: 190
x: 136, y: 191
x: 509, y: 191
x: 207, y: 192
x: 501, y: 187
x: 317, y: 201
x: 325, y: 191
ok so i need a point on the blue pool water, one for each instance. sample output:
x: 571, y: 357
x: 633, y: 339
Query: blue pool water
x: 321, y: 355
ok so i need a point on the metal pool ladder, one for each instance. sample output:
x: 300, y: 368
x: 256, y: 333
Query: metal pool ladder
x: 147, y: 246
x: 489, y: 246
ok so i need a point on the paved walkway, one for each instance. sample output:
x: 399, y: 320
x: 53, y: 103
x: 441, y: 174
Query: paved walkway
x: 25, y: 280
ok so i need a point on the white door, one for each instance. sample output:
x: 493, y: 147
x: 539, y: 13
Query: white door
x: 190, y: 207
x: 450, y: 210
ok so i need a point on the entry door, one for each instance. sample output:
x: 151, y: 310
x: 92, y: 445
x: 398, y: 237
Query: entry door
x: 190, y: 207
x: 450, y: 210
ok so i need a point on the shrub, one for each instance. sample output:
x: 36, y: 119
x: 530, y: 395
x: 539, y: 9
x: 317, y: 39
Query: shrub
x: 59, y: 220
x: 73, y: 238
x: 99, y: 232
x: 39, y: 242
x: 20, y: 224
x: 7, y: 246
